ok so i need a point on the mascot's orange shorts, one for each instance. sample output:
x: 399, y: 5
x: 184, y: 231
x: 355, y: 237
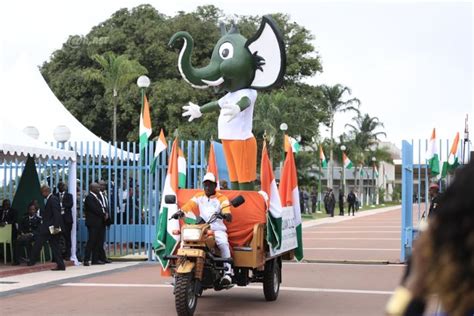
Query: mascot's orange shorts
x: 241, y: 158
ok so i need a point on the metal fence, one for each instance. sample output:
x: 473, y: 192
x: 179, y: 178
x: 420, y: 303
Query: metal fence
x: 134, y: 190
x: 416, y: 178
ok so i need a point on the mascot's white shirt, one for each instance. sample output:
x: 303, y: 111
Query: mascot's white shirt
x: 241, y: 126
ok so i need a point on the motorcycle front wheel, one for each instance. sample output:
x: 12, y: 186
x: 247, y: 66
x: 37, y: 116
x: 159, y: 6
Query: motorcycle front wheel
x: 185, y: 295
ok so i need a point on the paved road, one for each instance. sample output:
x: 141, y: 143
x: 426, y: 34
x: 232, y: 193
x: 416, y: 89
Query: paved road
x: 307, y: 289
x: 312, y: 288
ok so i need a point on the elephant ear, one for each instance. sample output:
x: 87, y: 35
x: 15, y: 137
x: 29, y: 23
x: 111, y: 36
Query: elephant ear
x: 268, y: 50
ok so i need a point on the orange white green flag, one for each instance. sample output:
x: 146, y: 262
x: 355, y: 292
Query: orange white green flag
x: 291, y: 142
x: 181, y: 169
x: 290, y: 196
x: 346, y: 161
x: 212, y: 164
x: 271, y: 194
x: 322, y: 157
x: 145, y: 124
x: 160, y: 146
x: 432, y: 154
x: 166, y: 241
x: 453, y: 161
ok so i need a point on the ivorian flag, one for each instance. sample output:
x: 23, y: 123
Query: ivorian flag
x: 432, y: 154
x: 290, y: 196
x: 166, y: 242
x: 361, y: 171
x: 291, y: 142
x: 346, y: 161
x: 181, y: 169
x: 376, y: 171
x: 145, y: 124
x: 212, y: 164
x: 160, y: 146
x: 452, y: 162
x: 274, y: 214
x: 322, y: 158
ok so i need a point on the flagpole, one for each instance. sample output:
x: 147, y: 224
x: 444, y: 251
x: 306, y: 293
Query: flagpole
x: 319, y: 185
x: 143, y: 82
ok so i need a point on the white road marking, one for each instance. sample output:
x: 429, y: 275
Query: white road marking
x: 356, y: 226
x: 354, y: 231
x: 251, y: 287
x: 344, y: 264
x: 339, y: 238
x: 362, y: 249
x: 115, y: 285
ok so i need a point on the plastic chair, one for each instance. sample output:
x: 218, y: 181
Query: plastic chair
x: 6, y: 239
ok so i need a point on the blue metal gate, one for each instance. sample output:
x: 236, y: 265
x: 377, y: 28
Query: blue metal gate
x: 134, y: 190
x: 415, y: 183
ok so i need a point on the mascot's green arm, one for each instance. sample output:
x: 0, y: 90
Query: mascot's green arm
x: 243, y: 103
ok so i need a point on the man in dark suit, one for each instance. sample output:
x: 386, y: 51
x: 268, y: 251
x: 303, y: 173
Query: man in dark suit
x: 66, y: 202
x: 95, y: 222
x: 50, y: 229
x: 106, y: 207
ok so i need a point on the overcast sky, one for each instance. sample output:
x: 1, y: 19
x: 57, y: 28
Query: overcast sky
x: 410, y: 63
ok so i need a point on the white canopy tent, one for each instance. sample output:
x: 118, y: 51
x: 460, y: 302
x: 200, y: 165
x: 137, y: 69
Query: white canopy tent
x: 14, y: 144
x: 28, y: 101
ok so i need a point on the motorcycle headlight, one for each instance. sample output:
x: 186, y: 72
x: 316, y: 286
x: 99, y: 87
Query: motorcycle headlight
x: 191, y: 234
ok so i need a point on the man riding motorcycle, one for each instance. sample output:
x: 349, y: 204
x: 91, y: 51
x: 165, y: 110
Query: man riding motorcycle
x: 208, y: 203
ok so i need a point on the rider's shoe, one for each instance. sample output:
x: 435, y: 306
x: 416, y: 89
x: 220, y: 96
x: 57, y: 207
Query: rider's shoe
x: 226, y: 280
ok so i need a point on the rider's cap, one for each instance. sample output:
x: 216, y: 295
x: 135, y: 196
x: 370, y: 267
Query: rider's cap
x: 209, y: 177
x: 434, y: 186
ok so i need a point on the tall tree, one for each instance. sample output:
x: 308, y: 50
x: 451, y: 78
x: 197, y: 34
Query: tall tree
x: 142, y: 33
x: 364, y: 131
x: 333, y: 100
x: 115, y: 75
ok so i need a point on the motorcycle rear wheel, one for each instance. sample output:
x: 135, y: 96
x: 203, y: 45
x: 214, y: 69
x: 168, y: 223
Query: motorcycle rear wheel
x: 271, y: 280
x: 185, y: 296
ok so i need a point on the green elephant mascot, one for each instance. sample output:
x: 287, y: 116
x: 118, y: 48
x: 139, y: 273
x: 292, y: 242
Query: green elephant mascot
x: 240, y: 67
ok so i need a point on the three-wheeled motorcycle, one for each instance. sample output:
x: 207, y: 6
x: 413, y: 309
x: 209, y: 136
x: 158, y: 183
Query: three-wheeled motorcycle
x: 197, y: 265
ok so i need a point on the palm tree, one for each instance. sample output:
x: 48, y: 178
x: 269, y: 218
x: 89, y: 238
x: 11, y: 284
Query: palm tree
x: 115, y: 75
x: 364, y: 132
x: 332, y: 101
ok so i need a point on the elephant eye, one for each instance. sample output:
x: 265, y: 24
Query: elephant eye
x: 226, y: 50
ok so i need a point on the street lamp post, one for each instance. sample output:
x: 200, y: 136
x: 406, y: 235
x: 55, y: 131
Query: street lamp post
x: 373, y: 180
x: 343, y: 172
x: 283, y: 128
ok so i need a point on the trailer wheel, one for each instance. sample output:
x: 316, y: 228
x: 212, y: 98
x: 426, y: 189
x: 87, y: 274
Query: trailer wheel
x: 185, y: 296
x: 271, y: 280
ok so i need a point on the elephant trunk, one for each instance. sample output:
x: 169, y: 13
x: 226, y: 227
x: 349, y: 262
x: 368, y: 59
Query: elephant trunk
x: 194, y: 76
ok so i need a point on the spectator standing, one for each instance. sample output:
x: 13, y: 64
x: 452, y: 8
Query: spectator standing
x: 95, y: 221
x: 434, y: 199
x: 351, y: 201
x: 103, y: 195
x: 66, y: 203
x: 50, y: 229
x: 341, y: 202
x: 306, y: 201
x: 330, y: 202
x: 314, y: 200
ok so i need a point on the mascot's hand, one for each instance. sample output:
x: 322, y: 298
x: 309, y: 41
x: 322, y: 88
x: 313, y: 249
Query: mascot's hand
x: 230, y: 110
x: 192, y: 110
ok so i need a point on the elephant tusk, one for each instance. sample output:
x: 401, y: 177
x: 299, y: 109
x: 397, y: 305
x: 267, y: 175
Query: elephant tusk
x: 214, y: 83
